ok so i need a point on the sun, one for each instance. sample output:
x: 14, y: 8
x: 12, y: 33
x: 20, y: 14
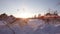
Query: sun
x: 25, y: 15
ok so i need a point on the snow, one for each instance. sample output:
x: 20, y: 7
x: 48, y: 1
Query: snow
x: 34, y: 23
x: 34, y: 26
x: 2, y: 22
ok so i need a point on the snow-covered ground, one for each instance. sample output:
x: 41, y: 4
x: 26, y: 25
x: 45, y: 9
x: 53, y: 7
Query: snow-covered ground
x: 33, y: 26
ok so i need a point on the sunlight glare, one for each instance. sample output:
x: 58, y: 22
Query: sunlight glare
x: 25, y: 15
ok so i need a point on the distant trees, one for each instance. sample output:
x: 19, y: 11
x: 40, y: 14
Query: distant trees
x: 39, y: 15
x: 48, y: 14
x: 3, y: 16
x: 34, y: 16
x: 55, y: 13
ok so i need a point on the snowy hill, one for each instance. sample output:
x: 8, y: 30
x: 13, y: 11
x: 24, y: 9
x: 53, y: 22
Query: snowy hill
x: 11, y: 25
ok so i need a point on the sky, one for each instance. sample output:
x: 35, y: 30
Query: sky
x: 16, y: 7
